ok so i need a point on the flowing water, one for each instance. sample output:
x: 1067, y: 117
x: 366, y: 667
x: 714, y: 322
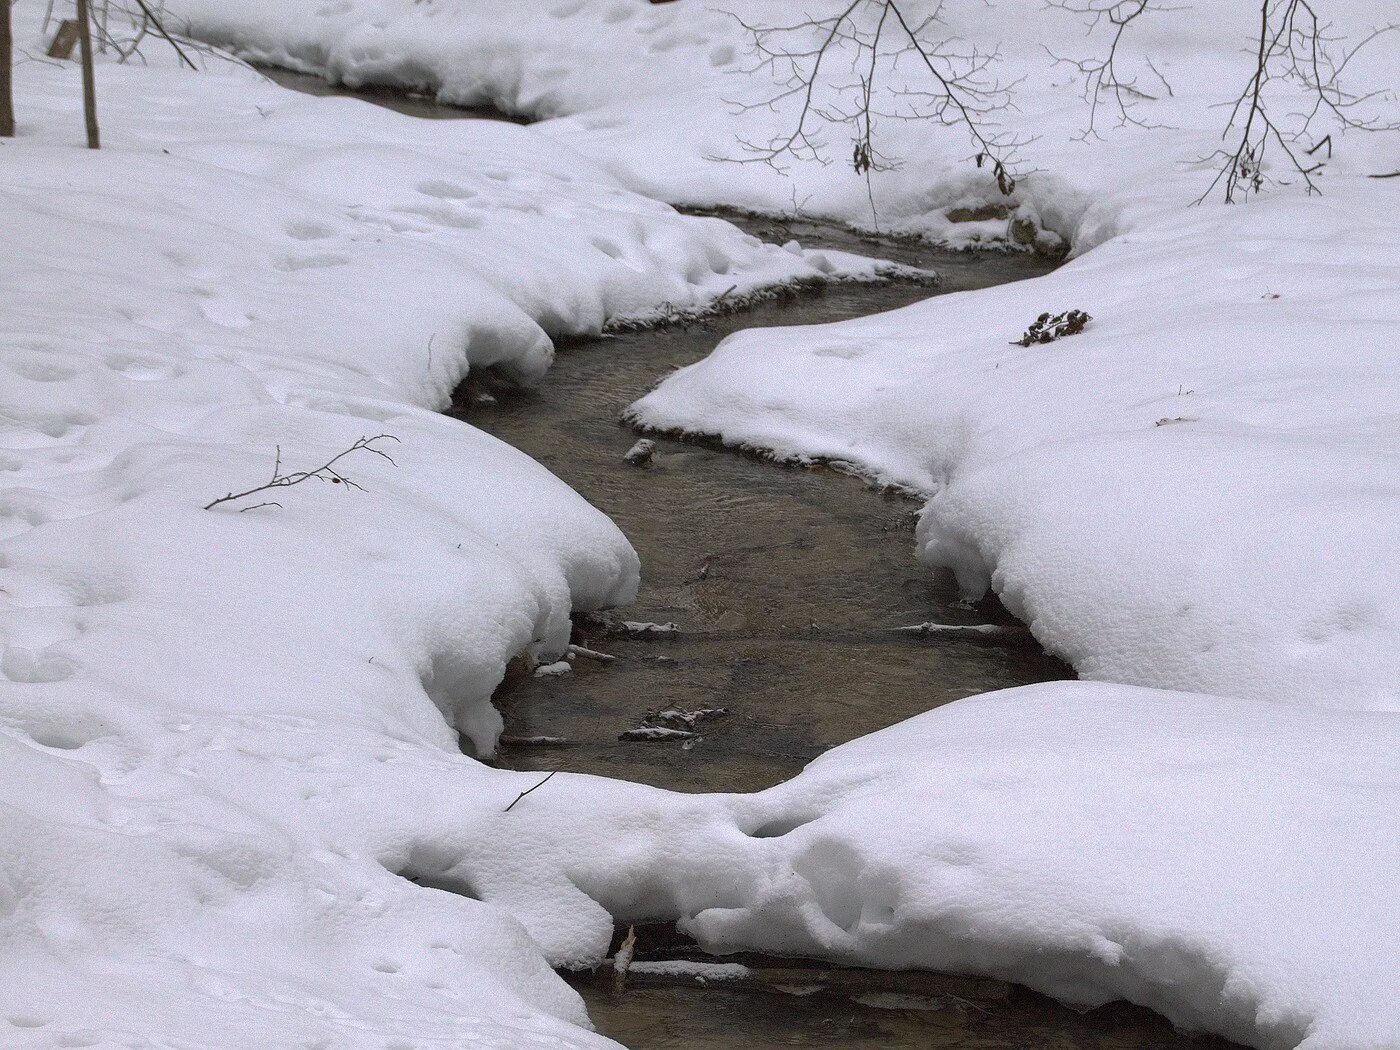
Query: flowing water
x: 786, y: 585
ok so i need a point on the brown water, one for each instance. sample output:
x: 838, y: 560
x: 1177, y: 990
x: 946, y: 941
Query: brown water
x: 785, y: 584
x: 409, y: 103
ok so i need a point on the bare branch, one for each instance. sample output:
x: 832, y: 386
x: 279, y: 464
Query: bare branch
x: 1297, y: 51
x: 325, y: 472
x: 874, y: 39
x: 522, y: 794
x: 1104, y: 83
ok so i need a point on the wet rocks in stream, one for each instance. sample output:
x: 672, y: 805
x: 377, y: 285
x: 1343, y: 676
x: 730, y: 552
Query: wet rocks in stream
x: 671, y: 723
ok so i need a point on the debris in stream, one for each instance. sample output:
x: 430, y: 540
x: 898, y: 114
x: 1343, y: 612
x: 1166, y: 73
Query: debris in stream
x: 591, y: 654
x: 943, y: 989
x: 534, y: 741
x: 656, y: 733
x: 923, y: 630
x: 639, y: 455
x: 904, y: 1001
x: 672, y: 723
x: 699, y: 972
x: 554, y: 670
x: 609, y: 623
x: 622, y: 960
x: 646, y: 629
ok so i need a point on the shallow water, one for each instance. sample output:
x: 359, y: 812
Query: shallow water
x: 408, y: 103
x: 785, y: 584
x: 710, y: 1018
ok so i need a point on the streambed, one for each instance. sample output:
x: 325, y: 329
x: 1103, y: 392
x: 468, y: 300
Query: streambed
x: 786, y: 586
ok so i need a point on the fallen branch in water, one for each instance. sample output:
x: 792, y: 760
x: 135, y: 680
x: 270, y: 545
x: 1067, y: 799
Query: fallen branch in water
x: 325, y: 472
x: 591, y: 654
x: 953, y: 989
x: 534, y: 741
x: 623, y: 959
x: 923, y: 630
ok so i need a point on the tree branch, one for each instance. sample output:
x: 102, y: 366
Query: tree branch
x: 325, y: 472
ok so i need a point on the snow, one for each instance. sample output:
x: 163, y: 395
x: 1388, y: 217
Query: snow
x: 681, y: 89
x: 244, y: 276
x: 235, y: 809
x: 1229, y: 862
x: 1041, y: 833
x: 1248, y: 550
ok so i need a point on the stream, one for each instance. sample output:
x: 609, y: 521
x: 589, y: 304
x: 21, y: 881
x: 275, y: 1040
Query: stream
x: 786, y: 585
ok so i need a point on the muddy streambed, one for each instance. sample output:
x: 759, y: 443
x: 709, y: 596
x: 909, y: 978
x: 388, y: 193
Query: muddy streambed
x: 786, y: 585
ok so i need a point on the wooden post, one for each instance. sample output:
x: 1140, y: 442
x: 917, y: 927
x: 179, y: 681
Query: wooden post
x: 7, y: 99
x: 89, y: 86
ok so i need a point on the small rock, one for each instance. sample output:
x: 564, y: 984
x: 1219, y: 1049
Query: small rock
x: 639, y: 455
x: 554, y: 670
x: 1023, y: 231
x: 981, y: 213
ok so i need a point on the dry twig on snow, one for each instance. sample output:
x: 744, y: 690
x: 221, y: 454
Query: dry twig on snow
x: 325, y: 472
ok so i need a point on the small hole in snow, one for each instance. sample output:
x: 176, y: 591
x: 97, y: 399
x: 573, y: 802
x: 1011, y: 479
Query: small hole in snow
x: 776, y: 829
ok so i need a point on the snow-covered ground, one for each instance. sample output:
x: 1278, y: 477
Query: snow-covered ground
x: 242, y: 274
x: 228, y: 734
x: 1201, y: 491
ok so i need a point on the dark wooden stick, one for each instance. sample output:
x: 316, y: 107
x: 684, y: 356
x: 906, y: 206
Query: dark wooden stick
x: 168, y: 38
x: 522, y: 794
x: 7, y: 98
x: 89, y: 84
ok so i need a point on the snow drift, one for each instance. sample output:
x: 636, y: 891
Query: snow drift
x: 235, y: 812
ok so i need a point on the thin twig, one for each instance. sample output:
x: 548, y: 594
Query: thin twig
x: 876, y: 35
x: 522, y: 794
x: 168, y: 38
x: 1293, y: 46
x: 325, y: 472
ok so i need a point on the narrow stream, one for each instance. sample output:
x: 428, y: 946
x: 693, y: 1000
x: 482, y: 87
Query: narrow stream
x: 785, y: 585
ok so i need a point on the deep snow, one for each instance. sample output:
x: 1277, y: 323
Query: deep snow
x: 221, y: 724
x: 243, y: 273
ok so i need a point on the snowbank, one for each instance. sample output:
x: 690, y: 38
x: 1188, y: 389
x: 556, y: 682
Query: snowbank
x: 233, y: 795
x: 244, y: 277
x: 1197, y: 492
x: 682, y: 87
x: 1230, y: 863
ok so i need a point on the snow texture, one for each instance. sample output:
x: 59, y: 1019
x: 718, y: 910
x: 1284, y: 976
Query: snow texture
x: 234, y: 811
x: 243, y: 274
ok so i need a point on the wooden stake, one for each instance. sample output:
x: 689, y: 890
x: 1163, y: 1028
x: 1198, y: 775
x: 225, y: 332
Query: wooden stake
x: 7, y: 103
x: 89, y: 85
